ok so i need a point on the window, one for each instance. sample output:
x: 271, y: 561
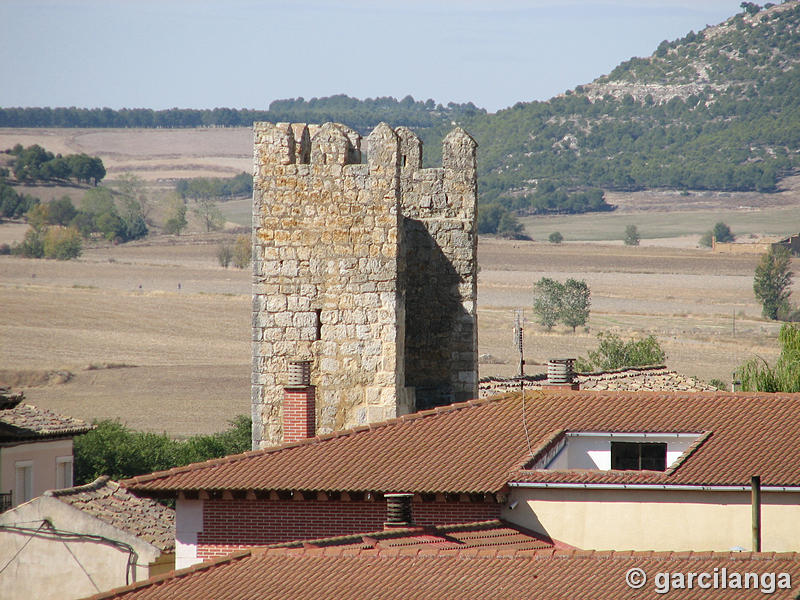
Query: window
x: 63, y: 472
x: 638, y: 456
x: 24, y: 488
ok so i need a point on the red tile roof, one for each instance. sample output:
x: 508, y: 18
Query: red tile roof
x: 398, y: 573
x: 479, y: 446
x: 24, y: 421
x: 496, y: 535
x: 110, y: 502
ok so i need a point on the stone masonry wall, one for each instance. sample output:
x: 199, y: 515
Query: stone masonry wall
x: 367, y: 270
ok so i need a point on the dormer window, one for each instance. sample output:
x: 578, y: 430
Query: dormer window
x: 638, y: 456
x: 613, y: 450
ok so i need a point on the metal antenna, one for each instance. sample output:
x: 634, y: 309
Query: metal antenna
x: 518, y: 340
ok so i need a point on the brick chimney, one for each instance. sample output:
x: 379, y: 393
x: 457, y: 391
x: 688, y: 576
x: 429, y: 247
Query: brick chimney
x: 299, y: 403
x: 560, y: 375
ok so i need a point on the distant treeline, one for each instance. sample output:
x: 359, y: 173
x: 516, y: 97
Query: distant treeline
x: 215, y: 187
x: 362, y: 115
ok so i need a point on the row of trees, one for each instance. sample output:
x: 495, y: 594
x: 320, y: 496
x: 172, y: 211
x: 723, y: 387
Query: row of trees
x: 215, y: 187
x: 34, y: 163
x: 114, y: 450
x: 360, y: 114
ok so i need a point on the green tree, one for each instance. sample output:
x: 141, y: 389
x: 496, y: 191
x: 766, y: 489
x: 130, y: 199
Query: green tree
x: 555, y: 237
x: 773, y: 280
x: 547, y: 301
x: 176, y: 216
x: 757, y: 376
x: 613, y: 353
x: 242, y: 252
x: 631, y: 236
x: 114, y: 450
x: 61, y: 211
x: 575, y: 302
x: 208, y: 212
x: 722, y: 233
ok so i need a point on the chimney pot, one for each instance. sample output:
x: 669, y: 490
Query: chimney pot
x: 299, y: 403
x: 398, y: 511
x: 560, y: 374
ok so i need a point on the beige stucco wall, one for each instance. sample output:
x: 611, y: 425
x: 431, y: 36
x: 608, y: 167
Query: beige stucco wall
x: 656, y: 520
x: 43, y: 454
x: 51, y: 567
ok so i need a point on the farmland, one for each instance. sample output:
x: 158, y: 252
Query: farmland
x: 156, y: 333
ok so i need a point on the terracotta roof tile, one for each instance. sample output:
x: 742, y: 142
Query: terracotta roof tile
x: 24, y: 421
x: 110, y: 502
x: 478, y: 447
x: 544, y: 575
x: 498, y: 536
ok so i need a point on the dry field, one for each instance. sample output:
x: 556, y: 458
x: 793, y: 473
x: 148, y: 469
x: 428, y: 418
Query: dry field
x: 112, y: 335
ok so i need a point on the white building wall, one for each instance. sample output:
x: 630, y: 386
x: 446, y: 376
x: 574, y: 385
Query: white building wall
x: 41, y: 565
x: 630, y: 519
x: 188, y: 523
x: 43, y: 455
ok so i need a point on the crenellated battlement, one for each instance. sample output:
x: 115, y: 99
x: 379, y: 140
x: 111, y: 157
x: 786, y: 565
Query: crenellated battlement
x: 337, y: 144
x: 365, y: 264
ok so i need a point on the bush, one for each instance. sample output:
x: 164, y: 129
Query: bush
x: 555, y: 237
x: 242, y: 252
x: 613, y: 353
x: 224, y: 255
x: 62, y: 243
x: 114, y: 450
x: 32, y: 245
x: 757, y: 376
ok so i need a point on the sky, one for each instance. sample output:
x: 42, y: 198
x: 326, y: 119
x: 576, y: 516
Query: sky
x: 246, y: 53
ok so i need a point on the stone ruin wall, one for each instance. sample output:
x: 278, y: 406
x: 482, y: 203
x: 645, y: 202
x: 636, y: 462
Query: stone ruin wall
x: 367, y: 270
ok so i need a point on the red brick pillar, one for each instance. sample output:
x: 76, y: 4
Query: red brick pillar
x: 299, y: 413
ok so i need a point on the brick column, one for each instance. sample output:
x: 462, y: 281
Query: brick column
x: 299, y: 413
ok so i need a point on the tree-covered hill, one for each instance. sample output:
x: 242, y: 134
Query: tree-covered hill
x: 718, y: 109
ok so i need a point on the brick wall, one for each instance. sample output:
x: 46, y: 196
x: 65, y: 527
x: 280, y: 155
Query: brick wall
x: 232, y: 524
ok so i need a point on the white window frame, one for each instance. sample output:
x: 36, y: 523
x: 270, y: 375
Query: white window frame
x: 64, y: 474
x: 23, y: 479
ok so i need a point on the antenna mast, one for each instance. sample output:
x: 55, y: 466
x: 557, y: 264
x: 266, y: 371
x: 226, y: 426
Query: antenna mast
x: 519, y: 320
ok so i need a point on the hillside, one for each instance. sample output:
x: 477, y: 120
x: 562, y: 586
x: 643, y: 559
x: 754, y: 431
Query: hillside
x: 718, y: 109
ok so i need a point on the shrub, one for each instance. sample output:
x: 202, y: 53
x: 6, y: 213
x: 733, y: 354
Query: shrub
x: 757, y: 376
x: 62, y: 243
x: 555, y: 237
x: 32, y: 245
x: 242, y: 252
x: 613, y: 353
x: 224, y: 255
x: 114, y: 450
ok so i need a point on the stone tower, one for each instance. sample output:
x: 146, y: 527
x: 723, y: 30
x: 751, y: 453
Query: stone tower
x: 366, y: 269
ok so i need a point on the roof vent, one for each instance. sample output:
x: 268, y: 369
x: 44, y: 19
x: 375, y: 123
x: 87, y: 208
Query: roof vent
x: 560, y: 374
x: 559, y: 370
x: 299, y: 373
x: 398, y: 511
